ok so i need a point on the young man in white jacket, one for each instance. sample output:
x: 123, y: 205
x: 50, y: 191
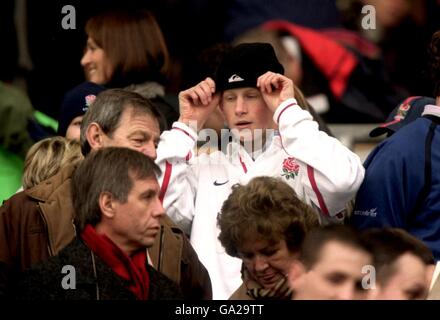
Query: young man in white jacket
x: 271, y: 136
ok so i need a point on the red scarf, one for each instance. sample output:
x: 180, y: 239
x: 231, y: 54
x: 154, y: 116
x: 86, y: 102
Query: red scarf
x: 132, y: 269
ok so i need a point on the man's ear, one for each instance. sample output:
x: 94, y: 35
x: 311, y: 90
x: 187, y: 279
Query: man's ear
x: 107, y: 205
x: 95, y: 136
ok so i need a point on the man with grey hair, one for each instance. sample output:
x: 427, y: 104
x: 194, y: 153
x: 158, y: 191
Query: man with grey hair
x: 121, y: 118
x: 117, y: 217
x: 32, y: 228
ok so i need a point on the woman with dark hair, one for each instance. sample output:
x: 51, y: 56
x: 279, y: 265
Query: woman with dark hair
x: 126, y: 49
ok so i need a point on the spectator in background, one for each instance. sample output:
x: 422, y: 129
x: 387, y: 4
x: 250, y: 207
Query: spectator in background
x: 402, y: 31
x: 245, y: 14
x: 331, y: 265
x: 402, y: 180
x: 402, y: 264
x: 46, y: 157
x: 75, y: 104
x: 16, y: 112
x: 126, y: 49
x: 335, y: 69
x: 263, y: 223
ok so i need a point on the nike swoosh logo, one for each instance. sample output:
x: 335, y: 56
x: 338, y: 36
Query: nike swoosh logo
x: 220, y: 183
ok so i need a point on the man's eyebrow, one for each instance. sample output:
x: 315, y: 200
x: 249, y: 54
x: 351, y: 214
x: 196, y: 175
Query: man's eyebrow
x: 149, y: 193
x: 144, y: 134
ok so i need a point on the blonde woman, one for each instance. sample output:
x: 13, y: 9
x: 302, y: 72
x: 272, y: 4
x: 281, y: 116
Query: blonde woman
x: 46, y: 157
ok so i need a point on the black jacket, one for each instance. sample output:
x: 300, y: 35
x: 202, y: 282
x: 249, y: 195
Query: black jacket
x: 44, y: 281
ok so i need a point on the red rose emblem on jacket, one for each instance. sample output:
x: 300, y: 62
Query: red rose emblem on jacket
x: 290, y: 168
x: 290, y: 164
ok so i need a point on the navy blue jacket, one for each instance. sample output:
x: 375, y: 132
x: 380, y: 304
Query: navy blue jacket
x: 393, y: 195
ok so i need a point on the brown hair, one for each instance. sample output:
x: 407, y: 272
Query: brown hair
x: 134, y: 44
x: 388, y: 245
x: 46, y: 157
x: 265, y: 208
x: 317, y: 238
x: 110, y: 170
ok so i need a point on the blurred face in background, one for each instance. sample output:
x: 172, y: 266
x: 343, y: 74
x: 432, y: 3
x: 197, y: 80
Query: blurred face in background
x: 97, y: 67
x: 407, y: 280
x: 73, y: 130
x: 390, y: 13
x: 336, y: 275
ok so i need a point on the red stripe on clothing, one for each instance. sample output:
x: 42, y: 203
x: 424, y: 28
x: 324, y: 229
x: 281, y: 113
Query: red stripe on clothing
x: 166, y: 180
x: 288, y: 106
x: 405, y: 103
x: 311, y: 175
x: 384, y: 125
x: 175, y: 128
x: 242, y: 164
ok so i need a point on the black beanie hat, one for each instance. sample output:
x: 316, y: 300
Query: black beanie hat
x: 75, y: 103
x: 243, y: 64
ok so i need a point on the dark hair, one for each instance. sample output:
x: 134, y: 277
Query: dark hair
x: 265, y: 208
x: 110, y: 170
x: 434, y: 55
x: 134, y: 44
x: 317, y: 238
x: 108, y: 108
x: 388, y: 245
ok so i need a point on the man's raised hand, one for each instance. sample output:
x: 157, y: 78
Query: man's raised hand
x: 275, y: 89
x: 198, y: 102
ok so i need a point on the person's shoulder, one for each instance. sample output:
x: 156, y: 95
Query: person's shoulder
x: 409, y: 139
x: 43, y: 280
x: 240, y: 293
x: 17, y: 198
x: 405, y: 146
x: 19, y: 205
x: 162, y: 287
x: 170, y: 226
x: 59, y: 183
x: 73, y: 252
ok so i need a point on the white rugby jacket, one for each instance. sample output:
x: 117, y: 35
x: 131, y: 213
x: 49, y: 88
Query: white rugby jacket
x: 322, y: 171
